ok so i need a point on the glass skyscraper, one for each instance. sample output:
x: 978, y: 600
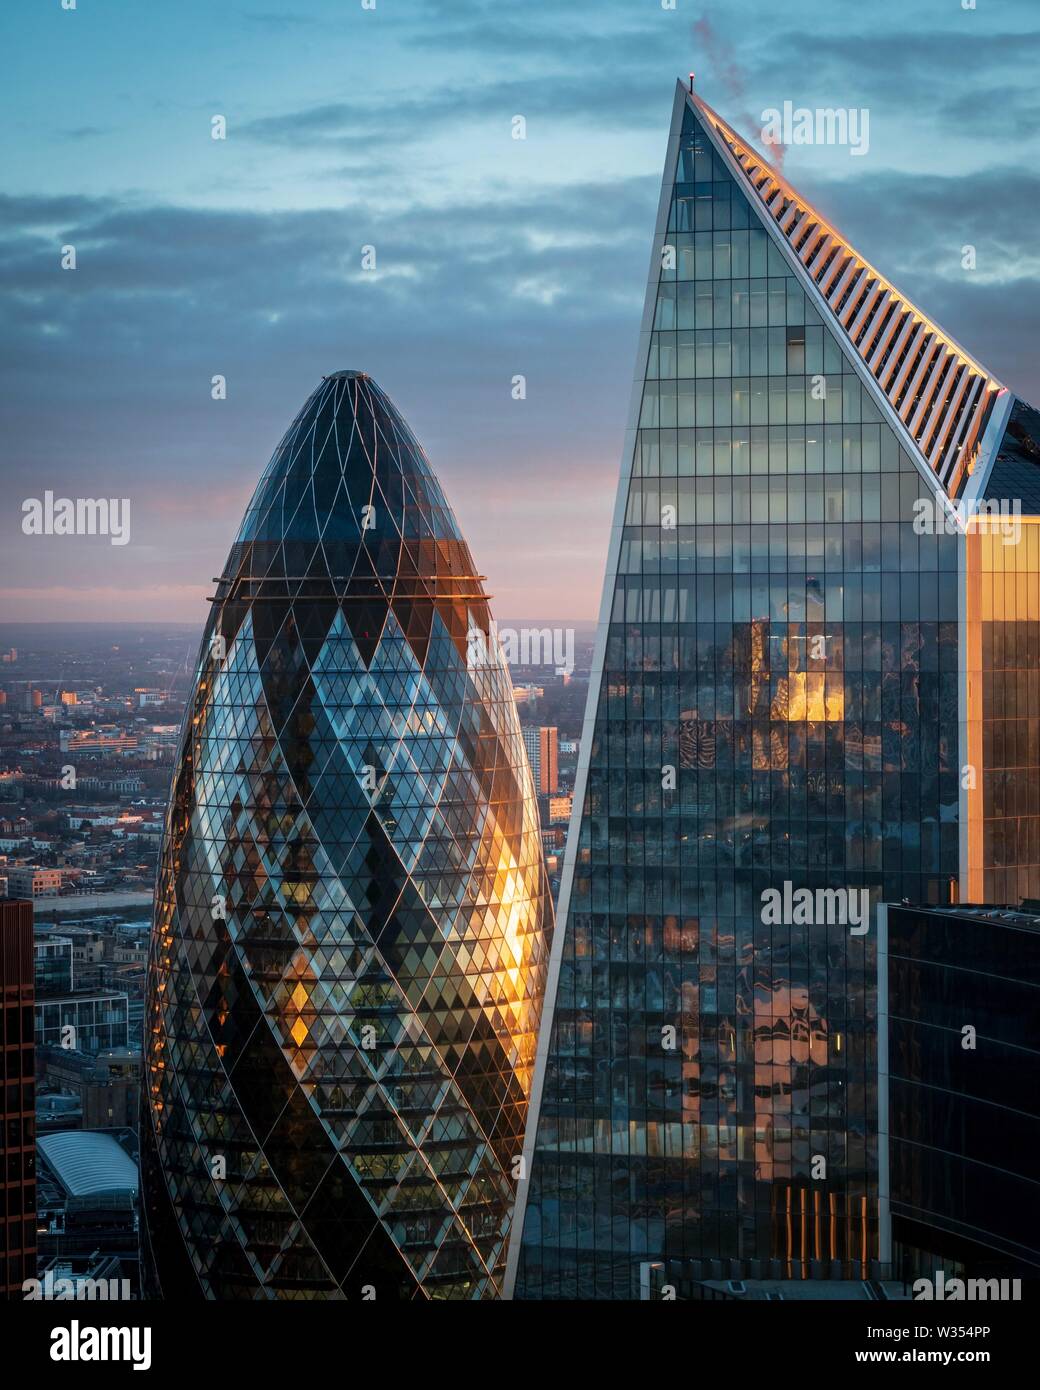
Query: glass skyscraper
x: 352, y: 914
x: 786, y: 696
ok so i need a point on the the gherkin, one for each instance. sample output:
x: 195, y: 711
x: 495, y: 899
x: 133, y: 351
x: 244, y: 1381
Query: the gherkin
x: 352, y: 915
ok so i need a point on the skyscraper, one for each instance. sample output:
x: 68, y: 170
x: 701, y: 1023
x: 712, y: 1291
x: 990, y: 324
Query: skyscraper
x: 352, y: 916
x: 543, y: 751
x: 813, y: 675
x: 17, y: 1087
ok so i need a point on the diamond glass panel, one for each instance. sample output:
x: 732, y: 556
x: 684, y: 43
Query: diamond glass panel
x: 353, y: 917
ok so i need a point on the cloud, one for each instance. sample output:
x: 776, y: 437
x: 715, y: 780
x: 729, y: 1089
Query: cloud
x: 167, y: 297
x: 378, y: 121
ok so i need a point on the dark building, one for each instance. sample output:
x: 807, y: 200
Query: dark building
x: 810, y: 676
x: 959, y: 1005
x: 17, y: 1133
x: 106, y: 1087
x: 54, y: 965
x: 352, y: 916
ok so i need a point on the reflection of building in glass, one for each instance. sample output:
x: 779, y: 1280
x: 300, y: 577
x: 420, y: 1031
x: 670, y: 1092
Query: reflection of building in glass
x: 778, y: 696
x: 17, y: 1125
x: 959, y: 993
x: 352, y: 917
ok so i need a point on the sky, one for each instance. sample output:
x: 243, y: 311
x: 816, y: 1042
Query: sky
x: 392, y: 127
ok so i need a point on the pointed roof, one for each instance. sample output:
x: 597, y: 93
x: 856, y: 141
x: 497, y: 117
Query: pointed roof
x: 941, y: 396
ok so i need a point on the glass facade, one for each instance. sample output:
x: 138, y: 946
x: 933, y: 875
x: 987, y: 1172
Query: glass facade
x: 353, y: 920
x: 963, y: 1111
x: 88, y: 1023
x: 778, y: 704
x: 53, y: 966
x: 1002, y: 658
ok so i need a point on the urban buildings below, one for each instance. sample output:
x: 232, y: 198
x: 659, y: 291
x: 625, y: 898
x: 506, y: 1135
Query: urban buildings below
x: 352, y: 910
x: 17, y: 1098
x: 53, y: 961
x: 805, y: 681
x: 77, y: 1090
x: 959, y: 1009
x: 88, y: 1208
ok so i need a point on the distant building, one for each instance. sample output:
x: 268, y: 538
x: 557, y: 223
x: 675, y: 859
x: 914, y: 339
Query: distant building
x: 100, y: 739
x: 105, y: 1088
x: 30, y: 881
x: 17, y: 1098
x: 53, y: 965
x: 560, y: 809
x: 959, y: 1024
x: 543, y: 751
x: 160, y: 742
x: 88, y: 1022
x: 129, y: 977
x: 129, y: 785
x: 527, y: 694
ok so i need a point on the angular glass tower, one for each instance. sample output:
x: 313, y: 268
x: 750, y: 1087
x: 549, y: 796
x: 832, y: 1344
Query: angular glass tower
x: 352, y: 916
x: 789, y: 685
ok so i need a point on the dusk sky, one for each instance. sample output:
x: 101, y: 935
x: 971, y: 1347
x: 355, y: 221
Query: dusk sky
x: 392, y: 127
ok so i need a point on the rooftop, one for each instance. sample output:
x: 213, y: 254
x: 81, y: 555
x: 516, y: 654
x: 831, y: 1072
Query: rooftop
x: 88, y: 1162
x: 1026, y: 916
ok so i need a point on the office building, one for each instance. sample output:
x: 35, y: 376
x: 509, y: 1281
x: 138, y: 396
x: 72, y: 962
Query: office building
x: 352, y: 913
x: 87, y: 1022
x: 815, y: 674
x: 959, y: 1015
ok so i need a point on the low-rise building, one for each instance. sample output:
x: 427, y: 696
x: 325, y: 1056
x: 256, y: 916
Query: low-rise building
x: 30, y: 881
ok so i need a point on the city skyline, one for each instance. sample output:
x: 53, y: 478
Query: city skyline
x: 520, y: 669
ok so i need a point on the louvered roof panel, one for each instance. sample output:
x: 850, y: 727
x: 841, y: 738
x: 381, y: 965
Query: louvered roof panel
x: 942, y: 396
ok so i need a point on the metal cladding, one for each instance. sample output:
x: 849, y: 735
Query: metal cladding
x: 352, y: 915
